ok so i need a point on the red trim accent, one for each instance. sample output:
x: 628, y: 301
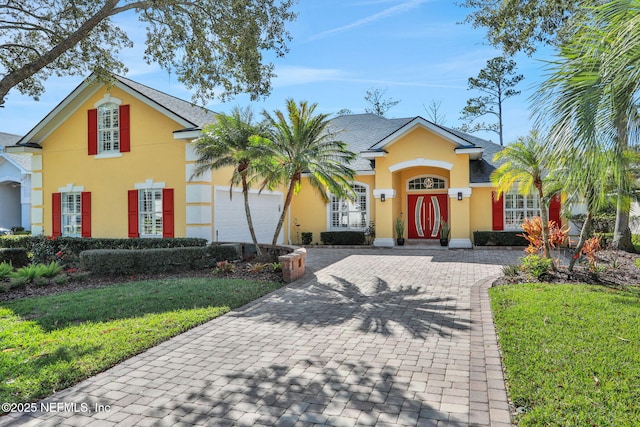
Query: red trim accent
x: 56, y: 214
x: 133, y: 213
x: 85, y: 209
x: 92, y: 135
x: 554, y: 210
x: 167, y: 213
x: 125, y: 128
x: 497, y: 212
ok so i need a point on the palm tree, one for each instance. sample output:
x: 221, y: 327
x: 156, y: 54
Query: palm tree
x: 225, y: 143
x: 526, y: 164
x: 299, y: 142
x: 589, y: 99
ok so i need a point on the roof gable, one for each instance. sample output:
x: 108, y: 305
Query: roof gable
x: 21, y: 161
x: 186, y: 114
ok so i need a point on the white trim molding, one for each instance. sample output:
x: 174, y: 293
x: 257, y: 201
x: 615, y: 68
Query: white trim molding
x: 420, y: 162
x: 384, y: 242
x: 453, y: 192
x: 70, y: 188
x: 460, y: 244
x: 389, y: 193
x: 481, y: 184
x: 149, y: 184
x: 108, y: 99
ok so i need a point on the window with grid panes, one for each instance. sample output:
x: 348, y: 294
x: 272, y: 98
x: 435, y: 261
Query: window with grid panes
x: 517, y: 207
x: 108, y: 128
x: 350, y: 214
x: 71, y: 214
x: 150, y: 212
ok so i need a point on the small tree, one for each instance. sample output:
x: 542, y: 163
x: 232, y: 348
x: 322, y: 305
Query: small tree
x: 433, y: 112
x: 379, y: 106
x: 496, y: 82
x: 225, y: 143
x: 298, y: 142
x: 525, y: 165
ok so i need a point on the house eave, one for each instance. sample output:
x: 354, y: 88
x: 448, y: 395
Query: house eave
x: 475, y: 153
x: 372, y: 154
x: 29, y: 148
x: 190, y: 133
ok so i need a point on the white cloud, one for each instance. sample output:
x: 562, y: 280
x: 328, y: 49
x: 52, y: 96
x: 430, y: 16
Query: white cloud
x: 394, y: 10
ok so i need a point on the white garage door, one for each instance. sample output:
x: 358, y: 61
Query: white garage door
x: 230, y: 221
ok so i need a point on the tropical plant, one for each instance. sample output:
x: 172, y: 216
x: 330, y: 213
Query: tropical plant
x: 525, y: 165
x: 399, y: 225
x: 445, y: 230
x: 299, y: 142
x: 5, y: 269
x: 225, y: 143
x: 590, y: 97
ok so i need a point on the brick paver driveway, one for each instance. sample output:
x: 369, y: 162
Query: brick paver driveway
x: 378, y: 337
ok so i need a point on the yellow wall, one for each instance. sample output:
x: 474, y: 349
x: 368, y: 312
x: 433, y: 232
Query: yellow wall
x: 481, y: 209
x: 155, y: 155
x: 308, y: 209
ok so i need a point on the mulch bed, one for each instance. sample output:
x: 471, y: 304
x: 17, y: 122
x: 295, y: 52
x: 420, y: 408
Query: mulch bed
x: 241, y: 272
x: 614, y: 268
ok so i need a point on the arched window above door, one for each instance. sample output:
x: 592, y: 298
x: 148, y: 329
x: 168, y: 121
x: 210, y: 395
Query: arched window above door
x: 426, y: 182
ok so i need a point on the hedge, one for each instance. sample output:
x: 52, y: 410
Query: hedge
x: 105, y: 262
x: 75, y: 245
x: 18, y: 257
x: 499, y: 238
x: 342, y: 237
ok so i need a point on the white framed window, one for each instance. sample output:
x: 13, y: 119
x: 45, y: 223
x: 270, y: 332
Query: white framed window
x: 426, y: 182
x: 517, y: 207
x: 108, y: 128
x: 345, y: 214
x: 150, y: 212
x: 71, y: 214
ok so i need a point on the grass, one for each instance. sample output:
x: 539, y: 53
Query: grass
x: 52, y: 342
x: 571, y: 353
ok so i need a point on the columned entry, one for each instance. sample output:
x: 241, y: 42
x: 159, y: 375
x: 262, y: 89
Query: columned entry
x: 425, y: 212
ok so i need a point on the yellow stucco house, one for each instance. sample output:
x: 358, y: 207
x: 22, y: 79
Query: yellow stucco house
x: 118, y: 162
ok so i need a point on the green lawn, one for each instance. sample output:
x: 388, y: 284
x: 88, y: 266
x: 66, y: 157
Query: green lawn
x: 49, y: 343
x: 571, y: 352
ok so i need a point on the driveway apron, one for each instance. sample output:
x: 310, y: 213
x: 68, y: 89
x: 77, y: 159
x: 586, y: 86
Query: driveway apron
x: 367, y: 337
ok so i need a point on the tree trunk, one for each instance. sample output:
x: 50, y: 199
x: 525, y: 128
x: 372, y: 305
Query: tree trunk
x: 545, y: 227
x: 247, y: 211
x: 583, y: 238
x: 285, y: 208
x: 622, y: 232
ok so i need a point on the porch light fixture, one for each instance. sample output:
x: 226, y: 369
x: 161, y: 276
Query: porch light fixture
x: 459, y: 195
x: 382, y: 197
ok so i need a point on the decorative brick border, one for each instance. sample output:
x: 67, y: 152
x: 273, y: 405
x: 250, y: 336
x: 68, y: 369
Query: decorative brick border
x: 489, y: 404
x: 293, y: 264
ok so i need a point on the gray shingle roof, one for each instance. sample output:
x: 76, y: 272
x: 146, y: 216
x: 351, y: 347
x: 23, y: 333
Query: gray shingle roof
x: 198, y: 116
x: 22, y: 160
x: 361, y: 132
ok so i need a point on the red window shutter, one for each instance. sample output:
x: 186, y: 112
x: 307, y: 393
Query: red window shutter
x: 125, y: 129
x: 93, y: 132
x: 133, y: 214
x: 167, y: 213
x: 85, y: 209
x: 497, y: 212
x: 554, y: 210
x: 56, y: 209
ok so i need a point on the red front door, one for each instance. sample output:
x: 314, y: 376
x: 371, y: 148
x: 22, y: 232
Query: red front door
x: 425, y: 212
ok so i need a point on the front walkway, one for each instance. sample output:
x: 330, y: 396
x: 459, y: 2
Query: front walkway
x: 373, y: 337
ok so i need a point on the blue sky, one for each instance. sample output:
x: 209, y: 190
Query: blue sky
x: 416, y: 50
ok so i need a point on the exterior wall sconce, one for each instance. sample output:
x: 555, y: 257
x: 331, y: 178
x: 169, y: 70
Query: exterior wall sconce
x: 382, y: 197
x: 459, y: 195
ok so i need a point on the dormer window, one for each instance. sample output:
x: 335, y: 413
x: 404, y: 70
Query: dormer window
x: 108, y: 128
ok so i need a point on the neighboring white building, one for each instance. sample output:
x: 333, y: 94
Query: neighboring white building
x: 15, y: 185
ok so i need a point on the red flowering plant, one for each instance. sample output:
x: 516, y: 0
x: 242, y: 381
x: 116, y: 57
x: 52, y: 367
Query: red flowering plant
x: 533, y: 234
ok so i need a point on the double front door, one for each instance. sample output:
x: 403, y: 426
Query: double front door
x: 426, y: 211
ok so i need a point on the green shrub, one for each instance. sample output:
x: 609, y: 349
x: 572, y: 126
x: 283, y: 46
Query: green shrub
x: 307, y: 237
x: 30, y: 272
x: 510, y: 270
x: 536, y: 265
x: 342, y: 237
x: 5, y: 269
x: 18, y: 257
x: 105, y: 262
x: 51, y: 270
x: 499, y: 238
x: 18, y: 282
x: 41, y: 281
